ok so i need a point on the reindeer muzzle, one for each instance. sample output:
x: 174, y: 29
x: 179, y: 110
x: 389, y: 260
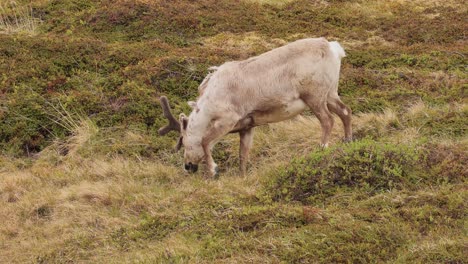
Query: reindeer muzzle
x: 191, y: 167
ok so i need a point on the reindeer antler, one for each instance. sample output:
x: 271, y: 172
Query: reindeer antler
x: 173, y: 122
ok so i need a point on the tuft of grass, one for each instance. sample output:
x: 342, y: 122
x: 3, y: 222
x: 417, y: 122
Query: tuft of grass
x: 417, y: 121
x: 272, y: 2
x: 15, y: 18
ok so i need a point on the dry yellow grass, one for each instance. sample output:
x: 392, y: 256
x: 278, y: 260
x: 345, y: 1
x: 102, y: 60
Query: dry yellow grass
x: 245, y: 44
x: 17, y: 18
x: 273, y: 2
x: 45, y: 206
x: 78, y: 198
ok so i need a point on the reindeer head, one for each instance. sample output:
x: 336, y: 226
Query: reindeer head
x: 193, y: 153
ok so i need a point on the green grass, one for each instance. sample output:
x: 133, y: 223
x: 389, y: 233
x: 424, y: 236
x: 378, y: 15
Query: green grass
x: 84, y: 177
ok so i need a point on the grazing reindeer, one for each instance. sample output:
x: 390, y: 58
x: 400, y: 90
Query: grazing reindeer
x: 277, y: 85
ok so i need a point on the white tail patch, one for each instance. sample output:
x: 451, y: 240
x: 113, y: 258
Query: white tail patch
x: 336, y: 48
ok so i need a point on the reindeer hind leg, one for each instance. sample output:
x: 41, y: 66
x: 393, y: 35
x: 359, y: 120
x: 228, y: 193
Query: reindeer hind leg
x: 336, y: 106
x: 320, y: 110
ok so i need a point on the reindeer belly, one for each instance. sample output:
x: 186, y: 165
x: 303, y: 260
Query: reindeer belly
x: 279, y: 113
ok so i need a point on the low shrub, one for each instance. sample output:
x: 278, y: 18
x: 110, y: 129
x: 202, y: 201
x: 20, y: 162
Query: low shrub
x: 369, y: 166
x: 364, y: 164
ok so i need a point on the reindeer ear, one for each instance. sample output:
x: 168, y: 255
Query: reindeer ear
x: 179, y: 144
x: 183, y: 122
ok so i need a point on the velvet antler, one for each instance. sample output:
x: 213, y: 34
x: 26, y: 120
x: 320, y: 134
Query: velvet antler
x: 173, y: 122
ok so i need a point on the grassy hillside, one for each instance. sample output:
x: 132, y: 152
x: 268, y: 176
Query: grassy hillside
x: 84, y: 177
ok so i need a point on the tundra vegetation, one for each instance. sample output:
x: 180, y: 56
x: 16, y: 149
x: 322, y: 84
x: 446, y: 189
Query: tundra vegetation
x: 84, y: 176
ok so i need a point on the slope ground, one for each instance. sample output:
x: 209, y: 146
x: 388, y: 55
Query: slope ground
x: 85, y: 178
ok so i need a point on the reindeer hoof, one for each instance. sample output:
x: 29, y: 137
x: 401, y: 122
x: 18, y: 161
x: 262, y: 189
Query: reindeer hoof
x: 216, y: 173
x: 324, y: 146
x: 347, y: 140
x: 212, y: 173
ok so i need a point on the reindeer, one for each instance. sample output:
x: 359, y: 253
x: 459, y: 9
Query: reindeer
x: 274, y: 86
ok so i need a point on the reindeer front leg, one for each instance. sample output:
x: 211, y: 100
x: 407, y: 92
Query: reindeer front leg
x: 211, y: 165
x: 219, y: 128
x: 246, y: 139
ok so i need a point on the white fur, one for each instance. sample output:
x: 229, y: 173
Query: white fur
x: 337, y: 49
x: 271, y: 87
